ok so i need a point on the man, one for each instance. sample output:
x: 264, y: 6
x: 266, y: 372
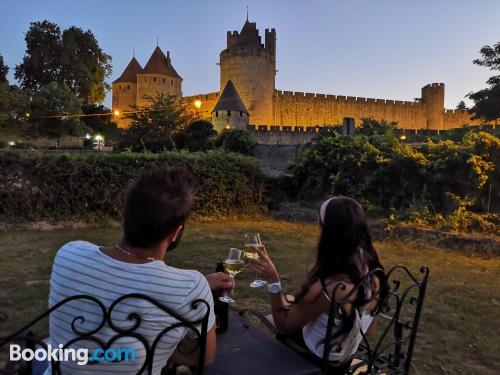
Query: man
x: 156, y: 208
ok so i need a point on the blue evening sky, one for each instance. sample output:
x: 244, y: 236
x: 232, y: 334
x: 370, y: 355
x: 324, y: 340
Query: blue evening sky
x: 370, y: 48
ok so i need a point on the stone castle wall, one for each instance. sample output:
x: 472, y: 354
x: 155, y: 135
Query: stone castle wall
x: 208, y: 102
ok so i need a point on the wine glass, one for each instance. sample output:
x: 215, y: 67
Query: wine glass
x: 252, y: 243
x: 233, y: 265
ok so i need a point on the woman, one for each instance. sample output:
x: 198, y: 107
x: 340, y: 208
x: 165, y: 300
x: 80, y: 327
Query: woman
x: 345, y: 258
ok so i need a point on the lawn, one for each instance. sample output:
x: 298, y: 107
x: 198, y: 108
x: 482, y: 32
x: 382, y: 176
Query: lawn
x: 459, y: 333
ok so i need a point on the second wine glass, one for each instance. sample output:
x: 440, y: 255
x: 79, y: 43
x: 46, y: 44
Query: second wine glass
x: 252, y: 243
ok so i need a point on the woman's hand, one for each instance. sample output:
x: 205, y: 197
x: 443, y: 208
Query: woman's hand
x: 264, y: 266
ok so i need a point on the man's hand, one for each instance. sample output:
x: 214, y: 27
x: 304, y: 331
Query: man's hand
x: 220, y: 280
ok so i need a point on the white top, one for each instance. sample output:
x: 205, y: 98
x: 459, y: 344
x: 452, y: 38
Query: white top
x: 82, y: 268
x: 314, y: 332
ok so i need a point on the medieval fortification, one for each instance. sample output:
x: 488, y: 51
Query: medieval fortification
x: 250, y: 64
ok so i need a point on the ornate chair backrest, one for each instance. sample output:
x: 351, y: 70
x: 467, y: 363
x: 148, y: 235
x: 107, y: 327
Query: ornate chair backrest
x: 399, y: 303
x: 132, y: 330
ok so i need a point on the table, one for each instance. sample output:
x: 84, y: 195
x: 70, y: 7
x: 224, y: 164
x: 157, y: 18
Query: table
x: 247, y: 350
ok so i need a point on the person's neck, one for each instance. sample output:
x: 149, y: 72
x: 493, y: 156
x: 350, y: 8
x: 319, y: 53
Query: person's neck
x: 130, y: 254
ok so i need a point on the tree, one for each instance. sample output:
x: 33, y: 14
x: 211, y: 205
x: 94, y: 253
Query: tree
x: 462, y: 106
x: 199, y: 136
x: 52, y: 101
x: 487, y: 101
x: 237, y: 140
x: 13, y: 109
x: 4, y: 69
x: 85, y: 66
x: 72, y: 57
x: 372, y: 127
x: 154, y: 125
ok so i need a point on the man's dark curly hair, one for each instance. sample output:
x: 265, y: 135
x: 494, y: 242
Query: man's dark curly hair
x: 156, y: 203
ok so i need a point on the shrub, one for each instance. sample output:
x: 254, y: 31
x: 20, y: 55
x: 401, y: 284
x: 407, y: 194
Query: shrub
x: 88, y: 186
x: 198, y: 136
x: 237, y: 140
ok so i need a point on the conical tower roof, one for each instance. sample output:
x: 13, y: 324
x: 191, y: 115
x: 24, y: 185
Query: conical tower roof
x: 160, y: 64
x: 129, y: 74
x: 230, y: 100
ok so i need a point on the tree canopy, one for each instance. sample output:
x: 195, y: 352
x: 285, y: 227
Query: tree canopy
x: 4, y: 69
x: 487, y: 101
x: 55, y: 100
x: 154, y: 125
x: 72, y: 57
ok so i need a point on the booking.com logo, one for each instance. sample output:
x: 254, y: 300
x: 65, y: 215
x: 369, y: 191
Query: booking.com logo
x: 80, y: 356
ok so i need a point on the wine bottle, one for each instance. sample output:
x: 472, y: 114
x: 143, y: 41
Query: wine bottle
x: 221, y: 309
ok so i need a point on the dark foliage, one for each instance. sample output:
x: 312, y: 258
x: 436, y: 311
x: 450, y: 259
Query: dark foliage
x: 90, y: 186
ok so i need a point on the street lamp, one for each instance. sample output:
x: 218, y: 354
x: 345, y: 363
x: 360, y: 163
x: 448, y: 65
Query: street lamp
x: 403, y: 137
x: 197, y: 104
x: 116, y: 113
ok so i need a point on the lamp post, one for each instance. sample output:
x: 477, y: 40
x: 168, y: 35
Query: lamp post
x: 197, y: 105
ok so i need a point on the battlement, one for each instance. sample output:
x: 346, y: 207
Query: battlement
x: 436, y: 84
x: 350, y: 99
x: 247, y: 51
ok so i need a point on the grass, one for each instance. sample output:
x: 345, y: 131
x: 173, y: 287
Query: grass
x: 459, y: 332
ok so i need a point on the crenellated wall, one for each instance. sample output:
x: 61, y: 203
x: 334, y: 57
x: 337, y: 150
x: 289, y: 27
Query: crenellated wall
x: 308, y: 109
x: 208, y: 102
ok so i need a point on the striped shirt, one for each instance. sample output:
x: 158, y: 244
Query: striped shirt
x: 82, y: 268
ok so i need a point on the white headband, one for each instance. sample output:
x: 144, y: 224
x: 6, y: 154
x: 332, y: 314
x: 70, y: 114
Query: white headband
x: 322, y: 210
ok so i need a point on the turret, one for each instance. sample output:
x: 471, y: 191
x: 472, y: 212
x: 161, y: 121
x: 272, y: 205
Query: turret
x: 229, y: 112
x: 251, y: 66
x: 158, y: 76
x: 433, y: 97
x: 125, y: 92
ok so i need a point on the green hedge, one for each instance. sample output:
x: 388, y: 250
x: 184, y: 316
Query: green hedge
x: 90, y: 186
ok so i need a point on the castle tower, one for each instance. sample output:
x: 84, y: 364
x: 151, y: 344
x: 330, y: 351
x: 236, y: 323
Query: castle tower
x: 433, y: 97
x: 125, y: 91
x: 251, y: 66
x: 158, y: 76
x: 230, y: 112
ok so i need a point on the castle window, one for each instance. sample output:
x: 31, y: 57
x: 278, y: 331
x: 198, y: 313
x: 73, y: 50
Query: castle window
x: 216, y: 113
x: 164, y: 80
x: 229, y: 113
x: 128, y: 87
x: 171, y: 83
x: 241, y: 114
x: 154, y: 79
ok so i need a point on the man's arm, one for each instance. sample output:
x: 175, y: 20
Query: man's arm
x: 185, y: 355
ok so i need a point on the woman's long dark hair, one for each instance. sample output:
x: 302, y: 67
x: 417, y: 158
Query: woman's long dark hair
x: 344, y: 236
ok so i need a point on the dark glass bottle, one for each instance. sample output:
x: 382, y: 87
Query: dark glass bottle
x: 221, y: 309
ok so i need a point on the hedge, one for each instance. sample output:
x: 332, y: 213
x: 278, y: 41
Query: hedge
x: 91, y: 186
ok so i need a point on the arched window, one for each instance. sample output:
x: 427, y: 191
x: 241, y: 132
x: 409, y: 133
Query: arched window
x: 154, y: 79
x: 164, y: 80
x: 216, y: 113
x: 229, y: 113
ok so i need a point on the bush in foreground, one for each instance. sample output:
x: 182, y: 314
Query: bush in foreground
x: 90, y: 186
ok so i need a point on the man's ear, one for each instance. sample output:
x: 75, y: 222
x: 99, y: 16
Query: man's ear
x: 175, y: 234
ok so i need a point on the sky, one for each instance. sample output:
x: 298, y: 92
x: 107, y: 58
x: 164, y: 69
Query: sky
x: 385, y: 49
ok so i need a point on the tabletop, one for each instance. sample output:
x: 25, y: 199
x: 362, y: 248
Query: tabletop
x: 247, y: 350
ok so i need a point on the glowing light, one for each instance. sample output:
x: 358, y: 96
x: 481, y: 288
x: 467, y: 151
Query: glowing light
x: 403, y: 137
x: 228, y: 126
x: 197, y: 104
x: 87, y: 136
x: 12, y: 143
x: 27, y: 114
x: 116, y: 113
x: 98, y: 137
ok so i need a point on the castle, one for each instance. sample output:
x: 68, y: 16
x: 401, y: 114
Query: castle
x: 248, y: 96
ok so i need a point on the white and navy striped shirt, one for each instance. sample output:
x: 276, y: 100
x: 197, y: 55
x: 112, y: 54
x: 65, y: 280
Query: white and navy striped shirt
x: 82, y: 268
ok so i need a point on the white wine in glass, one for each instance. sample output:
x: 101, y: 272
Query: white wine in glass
x: 252, y: 243
x: 233, y: 265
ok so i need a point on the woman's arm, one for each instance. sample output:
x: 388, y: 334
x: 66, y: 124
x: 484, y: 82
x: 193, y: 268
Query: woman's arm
x: 289, y: 317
